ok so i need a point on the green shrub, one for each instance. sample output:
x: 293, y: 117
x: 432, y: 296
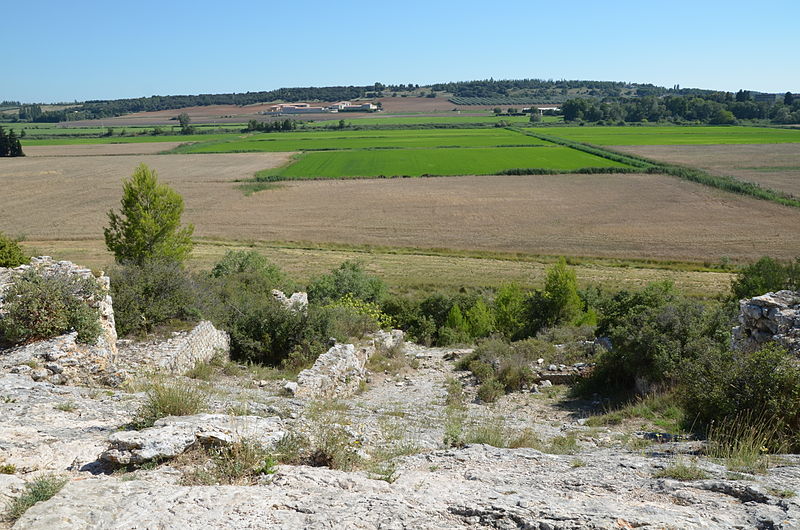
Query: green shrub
x: 561, y: 291
x: 372, y: 311
x: 480, y: 320
x: 249, y: 262
x: 764, y: 384
x: 505, y: 364
x: 262, y: 330
x: 765, y: 275
x: 43, y: 306
x: 349, y: 278
x: 146, y: 296
x: 509, y: 311
x: 482, y: 371
x: 448, y: 336
x: 11, y: 254
x: 655, y: 333
x: 490, y: 390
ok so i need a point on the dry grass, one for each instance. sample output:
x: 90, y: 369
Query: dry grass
x: 775, y: 166
x: 406, y: 271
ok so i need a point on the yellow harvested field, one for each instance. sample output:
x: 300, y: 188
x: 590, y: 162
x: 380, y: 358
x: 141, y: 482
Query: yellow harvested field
x: 775, y: 166
x: 622, y: 216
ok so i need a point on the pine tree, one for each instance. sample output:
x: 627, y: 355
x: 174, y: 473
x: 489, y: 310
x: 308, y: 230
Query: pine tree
x: 148, y: 225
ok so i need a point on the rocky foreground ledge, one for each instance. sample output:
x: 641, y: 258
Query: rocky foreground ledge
x: 608, y: 481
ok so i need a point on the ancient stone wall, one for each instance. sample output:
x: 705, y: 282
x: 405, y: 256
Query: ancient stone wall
x: 770, y: 317
x: 179, y: 353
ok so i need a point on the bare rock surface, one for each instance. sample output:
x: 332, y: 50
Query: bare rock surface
x: 53, y: 428
x: 478, y: 486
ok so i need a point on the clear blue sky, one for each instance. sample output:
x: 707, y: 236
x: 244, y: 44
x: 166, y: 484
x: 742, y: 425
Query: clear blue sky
x: 78, y: 50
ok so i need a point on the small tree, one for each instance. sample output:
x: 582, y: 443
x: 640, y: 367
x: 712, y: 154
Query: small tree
x: 148, y: 227
x: 788, y: 99
x: 561, y: 290
x: 11, y: 254
x: 184, y: 120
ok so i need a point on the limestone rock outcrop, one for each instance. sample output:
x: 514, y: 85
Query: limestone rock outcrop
x: 770, y: 317
x: 297, y: 303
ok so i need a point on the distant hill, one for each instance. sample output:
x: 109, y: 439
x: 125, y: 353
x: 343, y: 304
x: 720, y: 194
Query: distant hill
x: 478, y: 92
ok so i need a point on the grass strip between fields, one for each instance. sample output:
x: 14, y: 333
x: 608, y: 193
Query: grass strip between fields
x: 725, y: 183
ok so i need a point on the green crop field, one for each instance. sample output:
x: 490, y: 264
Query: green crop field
x: 416, y: 162
x: 674, y: 135
x: 426, y: 120
x: 393, y: 138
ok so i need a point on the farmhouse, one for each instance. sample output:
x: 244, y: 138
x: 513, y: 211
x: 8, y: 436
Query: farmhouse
x: 295, y: 108
x: 346, y: 106
x: 305, y: 108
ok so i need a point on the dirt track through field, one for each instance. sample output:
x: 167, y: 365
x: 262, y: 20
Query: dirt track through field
x: 775, y: 166
x: 642, y: 216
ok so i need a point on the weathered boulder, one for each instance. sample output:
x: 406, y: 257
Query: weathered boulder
x: 173, y: 435
x: 770, y: 317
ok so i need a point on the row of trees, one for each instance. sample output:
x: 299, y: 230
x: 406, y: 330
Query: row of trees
x: 270, y: 126
x: 10, y: 144
x: 717, y: 108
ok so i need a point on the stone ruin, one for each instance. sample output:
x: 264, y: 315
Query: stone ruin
x: 770, y: 317
x: 62, y: 360
x: 339, y: 371
x: 46, y: 266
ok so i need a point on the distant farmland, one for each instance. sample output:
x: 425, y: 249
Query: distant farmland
x: 329, y: 140
x: 416, y: 162
x: 674, y: 135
